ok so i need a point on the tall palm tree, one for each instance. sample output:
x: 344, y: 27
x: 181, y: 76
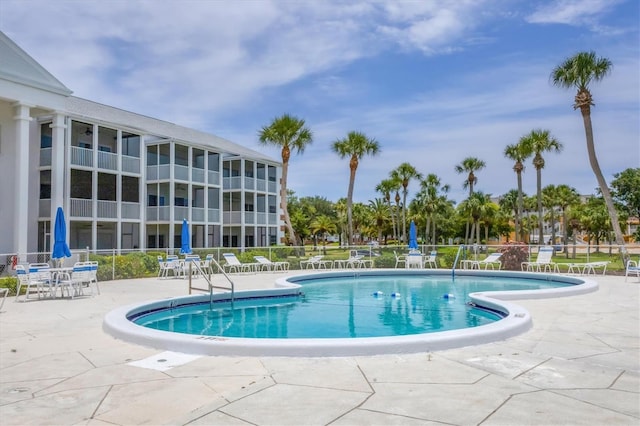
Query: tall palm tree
x: 356, y: 145
x: 404, y: 173
x: 469, y: 165
x: 518, y: 152
x: 539, y: 141
x: 288, y: 133
x: 549, y: 202
x: 386, y: 187
x: 567, y: 197
x: 579, y: 71
x: 430, y: 199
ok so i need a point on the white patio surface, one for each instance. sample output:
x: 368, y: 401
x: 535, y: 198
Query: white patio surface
x: 578, y: 365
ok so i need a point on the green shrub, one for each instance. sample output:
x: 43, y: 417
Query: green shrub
x: 11, y: 283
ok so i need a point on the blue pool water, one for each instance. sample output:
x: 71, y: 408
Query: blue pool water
x: 342, y: 307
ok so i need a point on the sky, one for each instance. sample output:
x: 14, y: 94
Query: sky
x: 433, y: 81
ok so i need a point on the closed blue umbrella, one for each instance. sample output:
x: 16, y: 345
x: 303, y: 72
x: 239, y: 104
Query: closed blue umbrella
x: 60, y: 246
x: 413, y: 239
x: 185, y: 238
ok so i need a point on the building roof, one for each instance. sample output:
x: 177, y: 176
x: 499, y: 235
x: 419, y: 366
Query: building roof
x: 92, y: 111
x: 19, y: 67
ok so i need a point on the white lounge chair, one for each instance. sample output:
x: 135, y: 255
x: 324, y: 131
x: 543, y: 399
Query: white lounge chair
x: 234, y: 265
x: 587, y: 267
x: 542, y: 263
x: 37, y: 275
x: 633, y: 267
x: 492, y: 260
x: 268, y: 265
x: 316, y: 262
x: 354, y: 261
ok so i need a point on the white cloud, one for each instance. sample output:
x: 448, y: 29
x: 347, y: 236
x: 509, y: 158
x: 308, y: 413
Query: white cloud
x: 570, y: 12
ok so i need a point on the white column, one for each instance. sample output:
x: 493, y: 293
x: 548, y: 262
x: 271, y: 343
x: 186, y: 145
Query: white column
x: 118, y: 235
x: 58, y: 127
x: 94, y: 190
x: 21, y: 196
x: 172, y: 193
x: 142, y: 194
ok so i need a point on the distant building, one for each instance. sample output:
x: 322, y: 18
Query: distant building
x: 124, y: 180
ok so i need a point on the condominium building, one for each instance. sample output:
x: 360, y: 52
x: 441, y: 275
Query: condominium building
x: 125, y: 181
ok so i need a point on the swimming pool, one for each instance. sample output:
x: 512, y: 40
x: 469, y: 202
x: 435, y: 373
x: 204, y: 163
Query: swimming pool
x: 378, y: 311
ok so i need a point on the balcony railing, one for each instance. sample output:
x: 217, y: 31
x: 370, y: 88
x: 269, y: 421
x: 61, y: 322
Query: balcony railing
x: 180, y: 212
x: 130, y: 210
x: 261, y: 218
x: 273, y: 219
x: 249, y: 218
x: 249, y: 183
x: 272, y: 187
x: 152, y: 172
x: 81, y: 156
x: 81, y: 207
x: 107, y: 209
x: 197, y: 214
x: 107, y: 160
x: 232, y: 182
x: 197, y: 175
x: 181, y: 172
x: 261, y: 185
x: 155, y: 214
x: 232, y: 218
x: 130, y: 164
x: 214, y: 177
x: 213, y: 215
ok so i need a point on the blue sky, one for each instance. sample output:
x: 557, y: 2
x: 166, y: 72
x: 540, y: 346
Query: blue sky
x: 432, y: 81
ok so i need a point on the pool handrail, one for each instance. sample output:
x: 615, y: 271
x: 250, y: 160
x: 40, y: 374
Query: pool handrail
x: 207, y: 277
x: 455, y: 262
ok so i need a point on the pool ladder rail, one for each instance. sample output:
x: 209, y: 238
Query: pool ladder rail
x: 455, y: 262
x: 207, y: 276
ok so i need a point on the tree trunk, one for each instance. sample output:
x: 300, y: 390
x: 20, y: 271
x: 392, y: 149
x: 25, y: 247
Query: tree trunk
x: 606, y: 194
x: 540, y: 218
x: 519, y: 227
x: 284, y: 204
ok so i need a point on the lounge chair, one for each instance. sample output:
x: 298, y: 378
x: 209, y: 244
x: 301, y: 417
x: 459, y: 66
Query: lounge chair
x: 633, y: 267
x: 492, y: 260
x: 37, y: 275
x: 542, y: 263
x: 354, y: 261
x: 316, y: 262
x: 234, y: 265
x: 268, y: 265
x: 587, y: 268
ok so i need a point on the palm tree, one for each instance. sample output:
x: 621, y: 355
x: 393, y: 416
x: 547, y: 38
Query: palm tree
x: 404, y: 173
x: 539, y: 141
x: 579, y: 71
x: 322, y: 225
x: 286, y: 132
x: 430, y: 200
x: 566, y: 197
x: 509, y: 204
x: 518, y: 152
x: 379, y: 211
x: 356, y: 145
x: 469, y: 165
x: 549, y: 202
x: 386, y: 187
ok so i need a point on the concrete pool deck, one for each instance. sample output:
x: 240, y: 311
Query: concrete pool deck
x: 579, y: 364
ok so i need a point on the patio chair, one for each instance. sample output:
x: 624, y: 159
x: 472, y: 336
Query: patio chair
x: 234, y: 265
x: 542, y: 263
x: 268, y: 265
x: 633, y: 267
x: 431, y: 261
x: 37, y: 275
x: 76, y: 280
x: 316, y: 262
x: 401, y: 259
x: 163, y: 267
x: 492, y: 260
x: 205, y: 265
x: 587, y: 268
